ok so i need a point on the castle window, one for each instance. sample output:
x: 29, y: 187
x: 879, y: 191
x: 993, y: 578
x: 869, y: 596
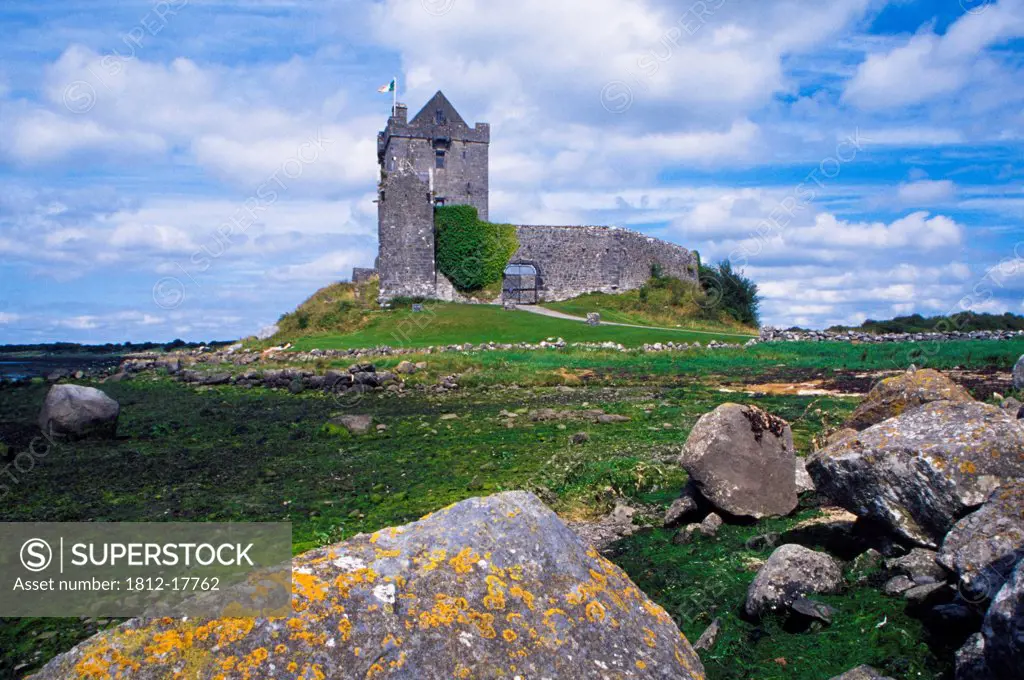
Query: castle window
x: 439, y: 117
x: 439, y: 159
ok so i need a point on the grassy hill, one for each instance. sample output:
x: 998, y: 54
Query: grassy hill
x: 668, y: 303
x: 345, y: 315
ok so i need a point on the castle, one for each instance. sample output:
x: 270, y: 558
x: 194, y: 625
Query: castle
x: 438, y: 159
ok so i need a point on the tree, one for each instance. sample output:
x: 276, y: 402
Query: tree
x: 731, y: 291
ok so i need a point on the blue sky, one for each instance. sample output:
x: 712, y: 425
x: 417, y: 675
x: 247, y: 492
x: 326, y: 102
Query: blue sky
x: 194, y: 168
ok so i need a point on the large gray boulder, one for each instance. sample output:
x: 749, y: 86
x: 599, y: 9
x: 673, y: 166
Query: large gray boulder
x: 742, y: 460
x: 983, y: 548
x: 896, y: 395
x: 1018, y: 374
x: 486, y: 588
x: 1003, y: 629
x: 920, y: 472
x: 75, y: 412
x: 792, y: 572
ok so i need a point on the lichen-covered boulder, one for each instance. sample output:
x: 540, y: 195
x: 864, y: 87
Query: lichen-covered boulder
x: 1003, y: 629
x: 920, y: 472
x: 486, y: 588
x: 742, y: 460
x: 76, y: 411
x: 792, y: 572
x: 897, y: 395
x: 983, y: 548
x: 1018, y: 374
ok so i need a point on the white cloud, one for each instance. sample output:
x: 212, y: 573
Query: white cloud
x: 926, y: 192
x: 929, y: 65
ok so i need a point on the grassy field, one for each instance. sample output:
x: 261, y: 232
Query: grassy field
x: 447, y: 324
x: 227, y: 454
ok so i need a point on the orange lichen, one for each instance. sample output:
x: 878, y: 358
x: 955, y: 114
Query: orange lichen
x: 464, y: 561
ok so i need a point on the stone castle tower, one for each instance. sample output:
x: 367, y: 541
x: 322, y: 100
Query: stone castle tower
x: 434, y: 159
x: 438, y: 159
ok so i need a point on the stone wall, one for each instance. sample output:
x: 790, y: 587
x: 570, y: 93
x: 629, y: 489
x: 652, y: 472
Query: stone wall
x: 571, y: 261
x: 406, y: 237
x: 362, y: 274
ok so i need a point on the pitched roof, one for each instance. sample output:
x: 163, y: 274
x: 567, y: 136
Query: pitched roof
x: 428, y: 114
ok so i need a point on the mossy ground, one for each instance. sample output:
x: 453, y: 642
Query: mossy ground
x: 227, y: 454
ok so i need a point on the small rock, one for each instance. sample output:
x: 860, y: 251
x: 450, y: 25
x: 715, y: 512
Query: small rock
x: 812, y: 609
x: 681, y: 507
x: 792, y: 571
x: 928, y: 595
x: 897, y: 585
x: 355, y: 424
x: 607, y: 418
x: 920, y: 565
x: 865, y: 564
x: 685, y: 535
x: 707, y: 639
x: 580, y: 438
x: 449, y: 416
x: 763, y: 541
x: 710, y: 525
x: 405, y: 368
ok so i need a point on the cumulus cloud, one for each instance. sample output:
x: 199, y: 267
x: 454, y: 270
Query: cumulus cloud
x: 928, y: 65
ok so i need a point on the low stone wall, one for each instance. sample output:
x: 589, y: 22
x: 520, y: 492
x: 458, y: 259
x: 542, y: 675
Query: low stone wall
x: 571, y: 261
x: 769, y: 334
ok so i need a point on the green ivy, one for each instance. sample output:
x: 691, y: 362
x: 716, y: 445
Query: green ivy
x: 472, y: 253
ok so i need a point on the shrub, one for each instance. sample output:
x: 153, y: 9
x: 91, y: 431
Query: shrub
x: 472, y: 253
x: 729, y: 290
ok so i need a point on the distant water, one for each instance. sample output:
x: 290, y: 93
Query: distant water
x: 16, y: 367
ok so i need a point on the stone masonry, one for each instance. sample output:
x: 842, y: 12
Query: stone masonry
x: 438, y: 159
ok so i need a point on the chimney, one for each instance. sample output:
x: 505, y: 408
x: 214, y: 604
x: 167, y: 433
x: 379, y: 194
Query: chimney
x: 401, y: 116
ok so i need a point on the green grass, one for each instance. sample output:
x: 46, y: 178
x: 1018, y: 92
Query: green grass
x: 666, y: 303
x: 227, y: 454
x: 448, y: 324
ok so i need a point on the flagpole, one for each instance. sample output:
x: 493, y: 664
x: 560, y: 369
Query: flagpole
x: 394, y: 98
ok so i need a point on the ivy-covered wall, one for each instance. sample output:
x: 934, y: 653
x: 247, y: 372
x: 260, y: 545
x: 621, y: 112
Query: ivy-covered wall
x: 471, y: 253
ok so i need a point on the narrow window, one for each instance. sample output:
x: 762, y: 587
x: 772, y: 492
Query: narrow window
x: 439, y: 116
x: 439, y: 159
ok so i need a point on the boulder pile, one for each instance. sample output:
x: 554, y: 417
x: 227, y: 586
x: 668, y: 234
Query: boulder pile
x: 930, y: 483
x: 942, y: 475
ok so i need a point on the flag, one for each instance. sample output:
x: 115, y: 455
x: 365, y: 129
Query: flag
x: 390, y: 87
